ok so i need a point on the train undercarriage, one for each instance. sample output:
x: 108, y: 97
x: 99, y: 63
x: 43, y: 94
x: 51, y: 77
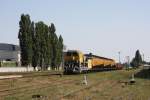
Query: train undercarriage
x: 75, y: 68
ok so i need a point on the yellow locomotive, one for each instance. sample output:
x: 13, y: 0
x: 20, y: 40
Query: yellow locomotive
x: 75, y: 61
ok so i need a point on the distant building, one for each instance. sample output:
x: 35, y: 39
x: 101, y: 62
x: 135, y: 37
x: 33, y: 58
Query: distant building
x: 9, y: 52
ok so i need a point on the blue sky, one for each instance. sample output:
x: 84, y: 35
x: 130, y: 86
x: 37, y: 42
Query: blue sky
x: 102, y: 27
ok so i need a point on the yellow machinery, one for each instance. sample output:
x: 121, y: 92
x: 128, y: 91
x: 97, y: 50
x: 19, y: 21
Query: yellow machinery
x: 73, y: 61
x: 74, y: 57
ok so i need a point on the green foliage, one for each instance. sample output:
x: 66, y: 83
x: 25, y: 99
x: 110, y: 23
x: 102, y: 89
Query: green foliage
x: 60, y: 50
x: 54, y: 41
x: 137, y: 60
x: 8, y: 64
x: 25, y: 40
x: 39, y: 44
x: 41, y: 35
x: 34, y: 56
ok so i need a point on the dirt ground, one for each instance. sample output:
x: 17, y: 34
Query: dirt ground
x: 110, y: 85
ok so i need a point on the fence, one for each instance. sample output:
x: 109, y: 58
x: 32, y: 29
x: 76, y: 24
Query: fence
x: 16, y: 69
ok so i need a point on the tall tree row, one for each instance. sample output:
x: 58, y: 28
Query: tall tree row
x: 39, y: 44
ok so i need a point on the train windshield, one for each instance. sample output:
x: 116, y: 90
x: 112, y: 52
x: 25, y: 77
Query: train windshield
x: 72, y: 54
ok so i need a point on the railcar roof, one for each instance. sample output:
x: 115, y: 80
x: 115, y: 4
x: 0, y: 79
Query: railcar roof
x: 74, y: 51
x: 88, y: 55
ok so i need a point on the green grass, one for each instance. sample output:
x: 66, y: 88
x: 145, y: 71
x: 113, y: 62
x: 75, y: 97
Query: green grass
x: 144, y: 74
x: 9, y: 64
x: 101, y: 86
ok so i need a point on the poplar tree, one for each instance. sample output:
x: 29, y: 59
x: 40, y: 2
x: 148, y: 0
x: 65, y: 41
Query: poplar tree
x: 25, y: 40
x: 59, y: 51
x: 34, y: 48
x: 37, y: 52
x: 42, y: 45
x: 137, y: 60
x: 54, y: 40
x: 39, y: 44
x: 45, y: 43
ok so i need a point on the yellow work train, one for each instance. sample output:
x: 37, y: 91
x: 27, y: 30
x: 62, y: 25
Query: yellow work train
x: 77, y: 62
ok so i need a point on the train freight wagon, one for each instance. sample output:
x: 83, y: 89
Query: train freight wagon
x: 76, y: 62
x: 100, y: 63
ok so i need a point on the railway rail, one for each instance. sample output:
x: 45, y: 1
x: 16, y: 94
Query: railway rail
x: 53, y: 82
x: 78, y: 91
x: 27, y: 88
x: 31, y: 74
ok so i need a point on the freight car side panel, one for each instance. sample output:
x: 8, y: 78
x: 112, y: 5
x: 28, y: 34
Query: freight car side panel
x: 97, y: 62
x: 101, y: 63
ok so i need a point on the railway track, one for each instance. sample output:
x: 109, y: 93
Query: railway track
x: 34, y: 74
x: 78, y: 91
x: 4, y: 82
x: 28, y: 88
x: 52, y: 83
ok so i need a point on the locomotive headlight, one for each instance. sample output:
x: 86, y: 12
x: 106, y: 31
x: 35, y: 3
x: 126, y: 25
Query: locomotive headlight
x: 73, y: 58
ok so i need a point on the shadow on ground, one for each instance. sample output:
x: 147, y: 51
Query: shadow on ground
x: 144, y: 73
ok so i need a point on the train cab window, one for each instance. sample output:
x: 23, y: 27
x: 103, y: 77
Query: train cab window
x: 72, y: 54
x: 75, y: 54
x: 68, y: 53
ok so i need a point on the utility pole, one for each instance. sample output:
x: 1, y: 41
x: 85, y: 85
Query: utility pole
x: 128, y: 61
x: 119, y: 57
x: 143, y: 57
